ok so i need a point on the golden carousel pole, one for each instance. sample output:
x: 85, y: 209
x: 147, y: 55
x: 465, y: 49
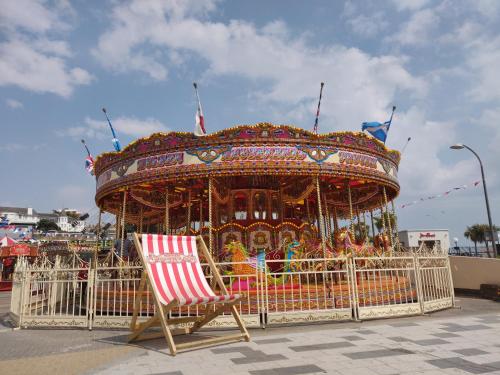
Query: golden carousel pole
x: 351, y: 216
x: 308, y: 211
x: 122, y: 223
x: 388, y: 220
x: 373, y: 226
x: 98, y: 239
x: 382, y: 216
x: 117, y: 235
x: 141, y: 219
x: 167, y: 211
x: 320, y: 218
x: 328, y: 221
x: 188, y: 223
x: 201, y: 212
x: 395, y: 225
x: 210, y: 214
x: 335, y: 223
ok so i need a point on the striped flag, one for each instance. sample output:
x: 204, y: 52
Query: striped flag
x: 89, y: 164
x: 89, y: 160
x: 199, y: 119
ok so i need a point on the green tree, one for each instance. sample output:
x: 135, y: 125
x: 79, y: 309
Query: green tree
x: 387, y: 216
x: 361, y: 231
x: 45, y: 225
x: 478, y: 233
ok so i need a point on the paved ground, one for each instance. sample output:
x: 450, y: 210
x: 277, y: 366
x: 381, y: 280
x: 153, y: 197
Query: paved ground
x: 457, y: 341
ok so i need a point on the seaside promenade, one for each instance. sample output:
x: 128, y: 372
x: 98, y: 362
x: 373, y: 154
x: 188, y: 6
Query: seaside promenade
x: 464, y: 340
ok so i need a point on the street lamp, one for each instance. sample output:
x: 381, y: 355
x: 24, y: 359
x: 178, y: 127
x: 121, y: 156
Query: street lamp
x: 460, y: 146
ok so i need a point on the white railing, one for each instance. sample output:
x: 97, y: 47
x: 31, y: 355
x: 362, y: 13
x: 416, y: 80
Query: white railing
x: 302, y: 290
x: 274, y: 292
x: 436, y: 285
x: 55, y: 297
x: 385, y: 287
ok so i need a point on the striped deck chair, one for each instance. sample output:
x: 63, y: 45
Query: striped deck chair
x: 173, y: 272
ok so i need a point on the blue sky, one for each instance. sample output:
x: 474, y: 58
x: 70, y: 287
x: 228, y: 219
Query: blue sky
x: 437, y: 61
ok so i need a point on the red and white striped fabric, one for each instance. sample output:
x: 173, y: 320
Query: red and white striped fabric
x: 7, y: 241
x: 175, y: 270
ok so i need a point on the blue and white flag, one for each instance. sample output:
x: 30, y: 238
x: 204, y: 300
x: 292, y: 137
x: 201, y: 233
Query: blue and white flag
x: 115, y: 141
x: 377, y: 129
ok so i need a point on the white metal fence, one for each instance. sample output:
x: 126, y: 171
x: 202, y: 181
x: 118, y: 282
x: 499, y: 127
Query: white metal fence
x: 275, y: 291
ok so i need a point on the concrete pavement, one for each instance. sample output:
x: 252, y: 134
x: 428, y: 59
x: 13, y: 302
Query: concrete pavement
x: 456, y: 341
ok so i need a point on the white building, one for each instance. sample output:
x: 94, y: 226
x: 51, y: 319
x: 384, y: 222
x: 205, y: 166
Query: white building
x: 66, y: 219
x: 429, y: 237
x: 20, y: 216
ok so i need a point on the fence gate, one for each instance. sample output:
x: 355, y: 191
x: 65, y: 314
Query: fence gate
x: 54, y: 297
x: 385, y: 287
x: 307, y: 290
x: 436, y: 285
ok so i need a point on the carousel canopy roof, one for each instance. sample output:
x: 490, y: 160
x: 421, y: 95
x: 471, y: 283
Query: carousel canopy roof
x: 282, y: 155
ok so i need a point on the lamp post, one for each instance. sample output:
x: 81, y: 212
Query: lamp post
x: 460, y: 146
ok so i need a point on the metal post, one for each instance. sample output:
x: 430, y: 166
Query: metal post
x: 141, y: 219
x: 351, y: 218
x: 98, y: 239
x: 167, y: 211
x: 335, y: 222
x: 373, y: 226
x: 388, y: 220
x: 320, y: 218
x: 490, y: 222
x: 188, y: 224
x: 124, y: 207
x: 210, y: 226
x: 395, y: 225
x: 201, y: 211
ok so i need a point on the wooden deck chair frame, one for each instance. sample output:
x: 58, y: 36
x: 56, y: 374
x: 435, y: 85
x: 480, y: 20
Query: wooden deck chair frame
x: 162, y: 311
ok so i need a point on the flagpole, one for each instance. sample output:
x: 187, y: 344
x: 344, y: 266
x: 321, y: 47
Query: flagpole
x: 390, y: 122
x: 115, y: 141
x: 317, y: 111
x: 86, y: 148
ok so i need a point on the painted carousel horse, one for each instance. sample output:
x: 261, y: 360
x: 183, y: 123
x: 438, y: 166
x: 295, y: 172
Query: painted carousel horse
x: 245, y: 266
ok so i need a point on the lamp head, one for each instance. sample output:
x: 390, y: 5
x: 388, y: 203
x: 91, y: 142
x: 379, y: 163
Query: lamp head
x: 457, y: 146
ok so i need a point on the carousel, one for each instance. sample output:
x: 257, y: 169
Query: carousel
x: 261, y: 185
x: 265, y: 192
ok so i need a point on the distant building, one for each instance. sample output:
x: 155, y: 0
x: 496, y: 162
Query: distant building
x: 20, y: 216
x: 429, y: 237
x: 66, y: 219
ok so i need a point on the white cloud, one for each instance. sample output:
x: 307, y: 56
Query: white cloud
x: 368, y: 26
x: 483, y: 58
x: 293, y: 67
x: 23, y: 66
x: 422, y: 171
x: 14, y: 104
x: 418, y: 29
x: 29, y: 15
x: 410, y: 4
x: 32, y: 58
x: 490, y: 120
x: 130, y: 126
x: 488, y: 8
x: 11, y: 147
